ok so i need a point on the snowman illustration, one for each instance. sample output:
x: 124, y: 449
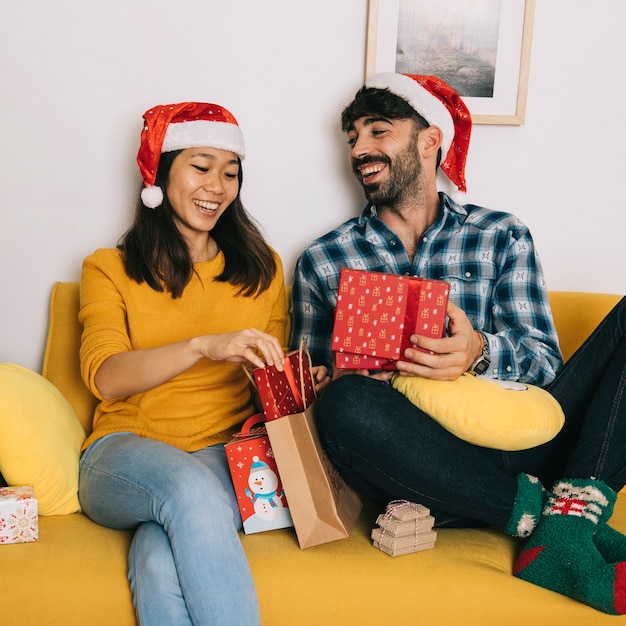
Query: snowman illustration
x: 263, y: 491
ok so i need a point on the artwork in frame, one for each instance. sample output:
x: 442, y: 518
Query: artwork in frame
x: 481, y: 48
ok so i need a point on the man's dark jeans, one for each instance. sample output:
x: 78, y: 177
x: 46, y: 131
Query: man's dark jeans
x: 387, y: 449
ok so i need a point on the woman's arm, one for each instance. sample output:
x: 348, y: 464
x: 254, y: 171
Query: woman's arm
x: 136, y: 371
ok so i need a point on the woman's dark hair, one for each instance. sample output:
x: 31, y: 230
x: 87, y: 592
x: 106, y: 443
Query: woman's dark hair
x: 156, y: 253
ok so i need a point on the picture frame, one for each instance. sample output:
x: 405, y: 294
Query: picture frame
x: 492, y: 78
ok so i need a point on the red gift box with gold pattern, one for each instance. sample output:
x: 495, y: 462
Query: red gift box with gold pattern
x: 376, y: 314
x: 287, y: 392
x: 255, y: 477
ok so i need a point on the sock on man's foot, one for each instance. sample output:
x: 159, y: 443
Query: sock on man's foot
x: 573, y: 551
x: 527, y: 507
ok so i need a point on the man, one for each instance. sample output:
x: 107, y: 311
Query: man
x: 400, y: 130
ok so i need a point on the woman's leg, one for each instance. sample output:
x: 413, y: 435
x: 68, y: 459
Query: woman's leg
x: 126, y: 480
x: 157, y: 595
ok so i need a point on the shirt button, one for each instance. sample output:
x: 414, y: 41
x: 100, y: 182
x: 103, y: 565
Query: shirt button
x: 393, y: 242
x: 425, y: 239
x: 468, y: 274
x: 508, y: 368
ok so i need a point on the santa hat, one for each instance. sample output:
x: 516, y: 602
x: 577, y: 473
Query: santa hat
x: 169, y: 127
x: 440, y: 106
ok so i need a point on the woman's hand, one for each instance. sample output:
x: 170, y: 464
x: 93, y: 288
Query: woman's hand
x: 244, y: 345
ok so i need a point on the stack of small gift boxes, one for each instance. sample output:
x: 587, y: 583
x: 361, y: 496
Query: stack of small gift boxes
x: 405, y: 527
x: 18, y: 515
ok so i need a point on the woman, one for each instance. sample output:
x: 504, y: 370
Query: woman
x: 191, y: 292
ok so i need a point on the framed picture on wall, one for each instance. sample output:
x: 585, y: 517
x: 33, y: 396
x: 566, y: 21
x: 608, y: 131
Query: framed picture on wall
x: 481, y: 48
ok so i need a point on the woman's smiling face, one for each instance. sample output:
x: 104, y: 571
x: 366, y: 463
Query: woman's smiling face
x: 202, y: 184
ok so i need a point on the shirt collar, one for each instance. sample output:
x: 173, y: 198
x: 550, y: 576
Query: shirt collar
x: 447, y: 203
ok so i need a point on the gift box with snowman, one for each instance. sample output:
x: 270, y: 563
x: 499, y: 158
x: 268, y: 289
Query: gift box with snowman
x: 261, y: 500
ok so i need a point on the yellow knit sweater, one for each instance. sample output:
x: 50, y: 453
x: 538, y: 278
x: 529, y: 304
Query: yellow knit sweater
x: 201, y: 406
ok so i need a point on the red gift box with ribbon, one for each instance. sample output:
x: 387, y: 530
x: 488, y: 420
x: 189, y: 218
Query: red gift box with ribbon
x: 287, y: 392
x: 376, y: 313
x: 255, y: 477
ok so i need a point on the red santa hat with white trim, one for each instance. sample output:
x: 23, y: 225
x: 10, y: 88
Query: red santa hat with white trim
x: 439, y: 105
x: 169, y: 127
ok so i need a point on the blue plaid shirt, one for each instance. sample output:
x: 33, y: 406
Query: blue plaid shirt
x: 489, y: 259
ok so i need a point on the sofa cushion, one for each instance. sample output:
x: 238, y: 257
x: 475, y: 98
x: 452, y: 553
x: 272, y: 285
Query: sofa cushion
x: 40, y: 439
x: 488, y: 413
x: 76, y: 574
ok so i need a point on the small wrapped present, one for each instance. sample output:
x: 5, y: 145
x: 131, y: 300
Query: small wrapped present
x: 376, y: 313
x: 253, y: 470
x: 405, y: 527
x: 287, y: 392
x: 18, y: 515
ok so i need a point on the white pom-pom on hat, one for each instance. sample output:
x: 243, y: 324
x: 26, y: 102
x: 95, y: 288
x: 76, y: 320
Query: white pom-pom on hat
x: 172, y: 127
x: 152, y: 197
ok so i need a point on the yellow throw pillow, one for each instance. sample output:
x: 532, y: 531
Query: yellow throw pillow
x: 486, y: 412
x: 40, y: 439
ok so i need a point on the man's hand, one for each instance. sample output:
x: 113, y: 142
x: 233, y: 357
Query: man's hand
x: 446, y: 358
x: 321, y: 377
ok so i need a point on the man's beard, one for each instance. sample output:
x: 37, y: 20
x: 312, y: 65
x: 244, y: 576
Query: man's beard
x: 404, y: 175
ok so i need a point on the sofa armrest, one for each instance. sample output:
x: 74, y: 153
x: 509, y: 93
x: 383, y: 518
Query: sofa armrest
x: 61, y: 364
x: 576, y: 314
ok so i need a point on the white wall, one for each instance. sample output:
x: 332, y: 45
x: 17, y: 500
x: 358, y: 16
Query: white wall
x: 76, y: 77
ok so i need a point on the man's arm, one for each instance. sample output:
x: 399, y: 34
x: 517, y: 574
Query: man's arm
x: 522, y: 337
x: 500, y: 287
x: 312, y: 314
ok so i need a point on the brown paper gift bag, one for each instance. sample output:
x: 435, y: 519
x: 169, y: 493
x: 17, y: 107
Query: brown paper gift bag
x: 323, y: 507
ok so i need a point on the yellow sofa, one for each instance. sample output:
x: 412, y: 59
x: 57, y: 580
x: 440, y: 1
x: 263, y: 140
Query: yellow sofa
x: 76, y: 573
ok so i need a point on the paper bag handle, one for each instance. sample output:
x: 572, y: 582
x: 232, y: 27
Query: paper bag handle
x: 300, y: 395
x: 304, y: 348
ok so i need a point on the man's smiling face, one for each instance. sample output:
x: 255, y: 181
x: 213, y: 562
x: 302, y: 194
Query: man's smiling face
x: 384, y: 157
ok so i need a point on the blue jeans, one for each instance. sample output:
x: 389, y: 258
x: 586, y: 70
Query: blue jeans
x: 186, y: 561
x: 386, y: 448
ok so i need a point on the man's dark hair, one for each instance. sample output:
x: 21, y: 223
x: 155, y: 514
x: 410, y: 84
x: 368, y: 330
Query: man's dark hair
x: 375, y: 102
x: 370, y: 101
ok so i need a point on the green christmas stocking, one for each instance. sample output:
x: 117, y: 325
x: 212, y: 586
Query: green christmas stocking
x: 527, y: 507
x: 573, y: 551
